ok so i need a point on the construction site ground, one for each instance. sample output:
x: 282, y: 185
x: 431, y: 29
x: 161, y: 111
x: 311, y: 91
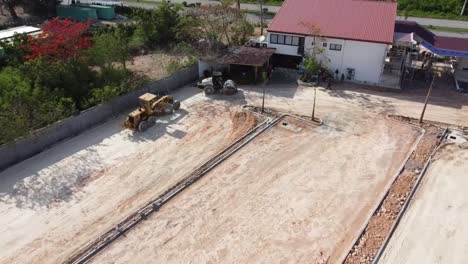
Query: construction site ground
x: 434, y: 230
x: 284, y: 197
x: 296, y: 192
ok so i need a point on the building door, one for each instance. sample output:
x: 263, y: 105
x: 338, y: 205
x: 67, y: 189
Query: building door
x: 300, y: 49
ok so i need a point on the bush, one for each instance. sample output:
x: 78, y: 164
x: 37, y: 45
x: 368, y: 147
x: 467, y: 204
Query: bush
x: 25, y: 107
x: 178, y: 65
x: 14, y: 50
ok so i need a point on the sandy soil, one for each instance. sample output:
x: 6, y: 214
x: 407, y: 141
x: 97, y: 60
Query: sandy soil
x: 433, y: 229
x: 289, y: 196
x: 154, y: 65
x: 61, y: 198
x: 58, y: 200
x: 380, y: 224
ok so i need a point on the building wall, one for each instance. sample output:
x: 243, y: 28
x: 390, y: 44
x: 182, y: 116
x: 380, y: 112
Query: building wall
x: 365, y: 57
x: 463, y: 64
x: 283, y: 49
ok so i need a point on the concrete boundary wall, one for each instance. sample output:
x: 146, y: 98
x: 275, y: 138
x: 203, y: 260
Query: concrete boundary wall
x: 43, y: 138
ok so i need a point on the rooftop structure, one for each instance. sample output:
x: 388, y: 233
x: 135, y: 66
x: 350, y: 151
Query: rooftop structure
x: 8, y: 33
x: 368, y: 21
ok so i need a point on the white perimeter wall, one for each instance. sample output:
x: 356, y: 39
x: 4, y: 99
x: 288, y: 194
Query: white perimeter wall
x: 365, y: 57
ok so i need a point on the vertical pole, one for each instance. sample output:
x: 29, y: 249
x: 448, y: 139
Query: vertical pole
x: 261, y: 17
x: 263, y: 99
x: 463, y: 9
x: 313, y: 107
x: 427, y: 99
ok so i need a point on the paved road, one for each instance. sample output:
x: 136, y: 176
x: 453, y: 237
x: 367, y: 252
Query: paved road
x: 450, y: 34
x: 253, y: 7
x: 253, y: 18
x: 437, y: 22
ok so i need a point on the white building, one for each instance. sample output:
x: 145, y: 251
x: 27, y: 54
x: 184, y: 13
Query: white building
x: 354, y: 34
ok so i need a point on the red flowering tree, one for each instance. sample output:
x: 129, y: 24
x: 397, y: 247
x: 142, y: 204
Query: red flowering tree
x: 60, y: 39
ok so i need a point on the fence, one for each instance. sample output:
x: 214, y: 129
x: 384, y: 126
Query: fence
x: 41, y: 139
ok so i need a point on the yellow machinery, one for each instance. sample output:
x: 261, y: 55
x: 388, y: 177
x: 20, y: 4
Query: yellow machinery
x: 150, y: 106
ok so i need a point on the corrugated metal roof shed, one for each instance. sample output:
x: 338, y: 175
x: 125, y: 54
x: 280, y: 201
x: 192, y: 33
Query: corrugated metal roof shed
x: 371, y: 21
x: 249, y: 56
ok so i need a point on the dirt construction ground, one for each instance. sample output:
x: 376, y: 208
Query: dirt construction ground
x: 60, y: 199
x: 282, y: 198
x: 434, y: 229
x: 313, y: 191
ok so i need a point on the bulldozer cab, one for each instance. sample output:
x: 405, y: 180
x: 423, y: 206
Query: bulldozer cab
x: 217, y: 80
x: 133, y: 119
x: 146, y: 101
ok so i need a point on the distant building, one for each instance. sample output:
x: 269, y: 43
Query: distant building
x: 355, y: 35
x: 10, y: 32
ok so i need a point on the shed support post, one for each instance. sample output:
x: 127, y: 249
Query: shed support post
x: 255, y: 74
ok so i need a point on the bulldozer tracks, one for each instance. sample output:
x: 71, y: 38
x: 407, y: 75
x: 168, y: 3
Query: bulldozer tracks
x: 88, y: 251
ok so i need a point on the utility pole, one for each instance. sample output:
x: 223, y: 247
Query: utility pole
x: 313, y: 107
x: 261, y: 17
x: 238, y: 5
x: 463, y: 9
x: 263, y: 98
x: 427, y: 100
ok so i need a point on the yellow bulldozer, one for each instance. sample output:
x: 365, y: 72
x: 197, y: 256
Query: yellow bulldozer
x: 151, y: 106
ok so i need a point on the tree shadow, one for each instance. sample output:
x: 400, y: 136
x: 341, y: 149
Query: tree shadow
x: 443, y: 94
x: 43, y: 180
x: 363, y: 100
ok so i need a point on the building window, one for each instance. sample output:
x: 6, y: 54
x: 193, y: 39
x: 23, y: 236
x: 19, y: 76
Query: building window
x: 273, y: 38
x: 280, y: 39
x: 284, y: 40
x: 295, y: 41
x: 335, y: 47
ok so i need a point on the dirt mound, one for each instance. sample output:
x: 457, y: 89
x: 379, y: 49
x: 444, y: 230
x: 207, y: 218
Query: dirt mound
x: 242, y: 122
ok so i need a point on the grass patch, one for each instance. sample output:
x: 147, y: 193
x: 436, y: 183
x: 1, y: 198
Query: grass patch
x: 422, y: 14
x: 447, y: 29
x: 265, y: 2
x: 157, y: 3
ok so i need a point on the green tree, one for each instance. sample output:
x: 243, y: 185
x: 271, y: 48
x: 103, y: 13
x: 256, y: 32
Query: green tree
x: 157, y: 26
x: 241, y: 31
x: 109, y: 48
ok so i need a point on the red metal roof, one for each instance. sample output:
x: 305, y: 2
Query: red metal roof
x: 372, y: 21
